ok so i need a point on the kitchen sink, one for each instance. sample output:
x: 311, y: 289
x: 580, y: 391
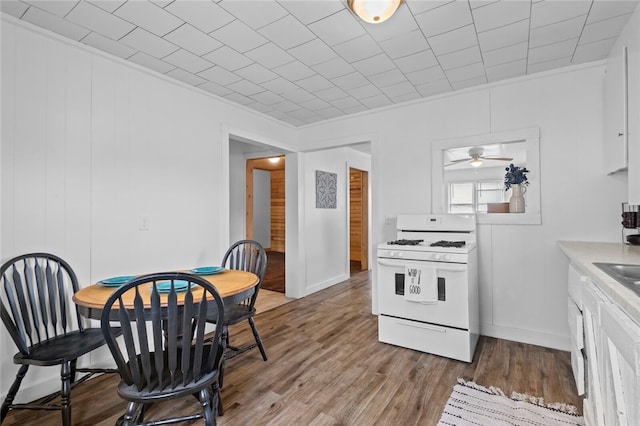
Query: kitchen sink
x: 627, y: 275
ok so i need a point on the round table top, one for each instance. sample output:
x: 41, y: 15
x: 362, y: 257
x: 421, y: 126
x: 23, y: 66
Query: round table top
x: 228, y: 283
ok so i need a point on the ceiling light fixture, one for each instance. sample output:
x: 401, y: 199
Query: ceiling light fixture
x: 274, y: 160
x: 374, y: 11
x: 475, y: 162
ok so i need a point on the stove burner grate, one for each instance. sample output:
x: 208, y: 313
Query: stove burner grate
x: 405, y: 242
x: 442, y: 243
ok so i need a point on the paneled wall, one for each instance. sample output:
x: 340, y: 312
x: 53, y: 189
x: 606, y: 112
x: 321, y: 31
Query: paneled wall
x: 277, y: 210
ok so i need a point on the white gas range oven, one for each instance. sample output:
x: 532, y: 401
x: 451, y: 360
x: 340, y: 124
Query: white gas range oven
x: 428, y: 286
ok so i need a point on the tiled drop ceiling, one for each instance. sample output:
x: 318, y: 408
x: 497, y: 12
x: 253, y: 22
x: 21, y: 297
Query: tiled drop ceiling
x: 304, y: 61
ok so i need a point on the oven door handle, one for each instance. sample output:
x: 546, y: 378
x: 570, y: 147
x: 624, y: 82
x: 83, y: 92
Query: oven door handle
x: 441, y: 266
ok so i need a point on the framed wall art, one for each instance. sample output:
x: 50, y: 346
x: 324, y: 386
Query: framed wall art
x: 326, y: 189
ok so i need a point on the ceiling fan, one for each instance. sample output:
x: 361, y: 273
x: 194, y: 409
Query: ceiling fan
x: 476, y: 157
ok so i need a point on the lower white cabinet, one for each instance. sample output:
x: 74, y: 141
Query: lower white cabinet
x: 606, y: 358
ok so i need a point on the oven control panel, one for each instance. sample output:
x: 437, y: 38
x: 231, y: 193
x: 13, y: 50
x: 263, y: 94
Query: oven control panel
x: 422, y: 255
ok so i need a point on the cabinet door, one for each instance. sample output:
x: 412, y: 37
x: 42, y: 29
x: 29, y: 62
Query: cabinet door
x: 621, y: 368
x: 592, y: 302
x: 615, y: 118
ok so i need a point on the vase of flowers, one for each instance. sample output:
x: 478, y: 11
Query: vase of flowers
x: 516, y: 179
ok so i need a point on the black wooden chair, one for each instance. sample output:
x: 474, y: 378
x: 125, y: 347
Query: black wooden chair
x: 167, y: 353
x: 244, y: 255
x: 45, y: 325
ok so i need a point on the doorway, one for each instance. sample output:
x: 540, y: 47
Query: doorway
x: 358, y: 220
x: 265, y: 215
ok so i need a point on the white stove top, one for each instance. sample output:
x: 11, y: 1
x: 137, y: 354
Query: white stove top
x: 426, y: 247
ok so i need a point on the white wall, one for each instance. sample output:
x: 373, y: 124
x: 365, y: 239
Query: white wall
x: 522, y: 272
x: 90, y: 145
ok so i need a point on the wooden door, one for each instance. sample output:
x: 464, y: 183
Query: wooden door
x: 358, y: 217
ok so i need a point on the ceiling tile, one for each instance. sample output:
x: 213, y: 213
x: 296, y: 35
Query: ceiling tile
x: 405, y: 44
x: 499, y: 14
x: 269, y: 55
x: 508, y: 70
x: 256, y: 73
x: 227, y: 58
x: 426, y: 75
x: 148, y: 16
x: 215, y: 88
x: 398, y: 89
x: 161, y: 3
x: 548, y: 65
x: 204, y: 15
x: 364, y: 91
x: 374, y: 65
x: 105, y: 44
x: 55, y: 7
x: 185, y: 77
x: 312, y: 10
x: 255, y: 14
x: 294, y: 71
x: 333, y: 68
x: 219, y: 75
x: 358, y: 48
x: 240, y: 99
x: 354, y: 109
x: 96, y: 19
x: 258, y: 106
x: 388, y: 78
x: 434, y: 88
x: 460, y: 58
x: 376, y: 101
x: 350, y: 81
x: 466, y: 73
x: 54, y: 23
x: 549, y: 12
x: 267, y: 97
x: 330, y: 112
x: 187, y: 61
x: 504, y: 36
x: 552, y: 51
x: 337, y: 28
x: 313, y: 52
x: 452, y: 41
x: 406, y: 97
x: 401, y: 22
x: 331, y: 94
x: 313, y: 83
x: 347, y: 102
x: 286, y: 106
x: 601, y: 30
x: 280, y: 85
x: 108, y: 5
x: 239, y: 36
x: 13, y: 8
x: 420, y: 6
x: 463, y: 84
x: 149, y: 43
x: 245, y: 87
x: 593, y: 51
x: 417, y: 61
x: 315, y: 104
x: 445, y: 18
x: 193, y: 40
x: 149, y: 61
x: 560, y: 31
x: 601, y: 10
x: 506, y: 54
x: 287, y: 32
x: 298, y: 95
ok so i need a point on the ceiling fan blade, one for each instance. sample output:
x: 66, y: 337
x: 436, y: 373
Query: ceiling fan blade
x: 452, y: 162
x: 497, y: 158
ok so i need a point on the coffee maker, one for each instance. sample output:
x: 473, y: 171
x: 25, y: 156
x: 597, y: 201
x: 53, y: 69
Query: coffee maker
x: 630, y: 224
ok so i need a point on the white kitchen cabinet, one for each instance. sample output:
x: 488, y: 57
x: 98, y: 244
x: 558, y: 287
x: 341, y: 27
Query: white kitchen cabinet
x: 620, y: 368
x: 616, y: 134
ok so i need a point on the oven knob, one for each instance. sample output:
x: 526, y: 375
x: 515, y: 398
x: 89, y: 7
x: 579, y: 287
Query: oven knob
x: 436, y: 257
x: 447, y: 257
x: 400, y: 254
x: 392, y: 254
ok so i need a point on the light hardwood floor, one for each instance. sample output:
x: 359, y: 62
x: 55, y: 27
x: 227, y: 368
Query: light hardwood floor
x: 326, y: 367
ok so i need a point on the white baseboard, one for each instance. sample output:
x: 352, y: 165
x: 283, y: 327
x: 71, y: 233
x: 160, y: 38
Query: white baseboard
x: 548, y: 340
x: 326, y: 284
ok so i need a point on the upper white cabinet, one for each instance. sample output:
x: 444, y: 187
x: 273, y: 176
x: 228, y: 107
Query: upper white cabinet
x: 616, y: 140
x: 622, y: 107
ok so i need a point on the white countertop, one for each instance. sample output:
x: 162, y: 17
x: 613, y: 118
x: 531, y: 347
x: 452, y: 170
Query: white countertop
x: 582, y: 254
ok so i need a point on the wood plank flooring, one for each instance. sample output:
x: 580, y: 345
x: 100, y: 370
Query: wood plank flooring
x: 274, y: 275
x: 326, y: 367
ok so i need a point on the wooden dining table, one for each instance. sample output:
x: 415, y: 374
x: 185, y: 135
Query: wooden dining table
x: 232, y: 285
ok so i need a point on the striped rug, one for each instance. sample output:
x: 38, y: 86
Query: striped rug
x: 472, y: 404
